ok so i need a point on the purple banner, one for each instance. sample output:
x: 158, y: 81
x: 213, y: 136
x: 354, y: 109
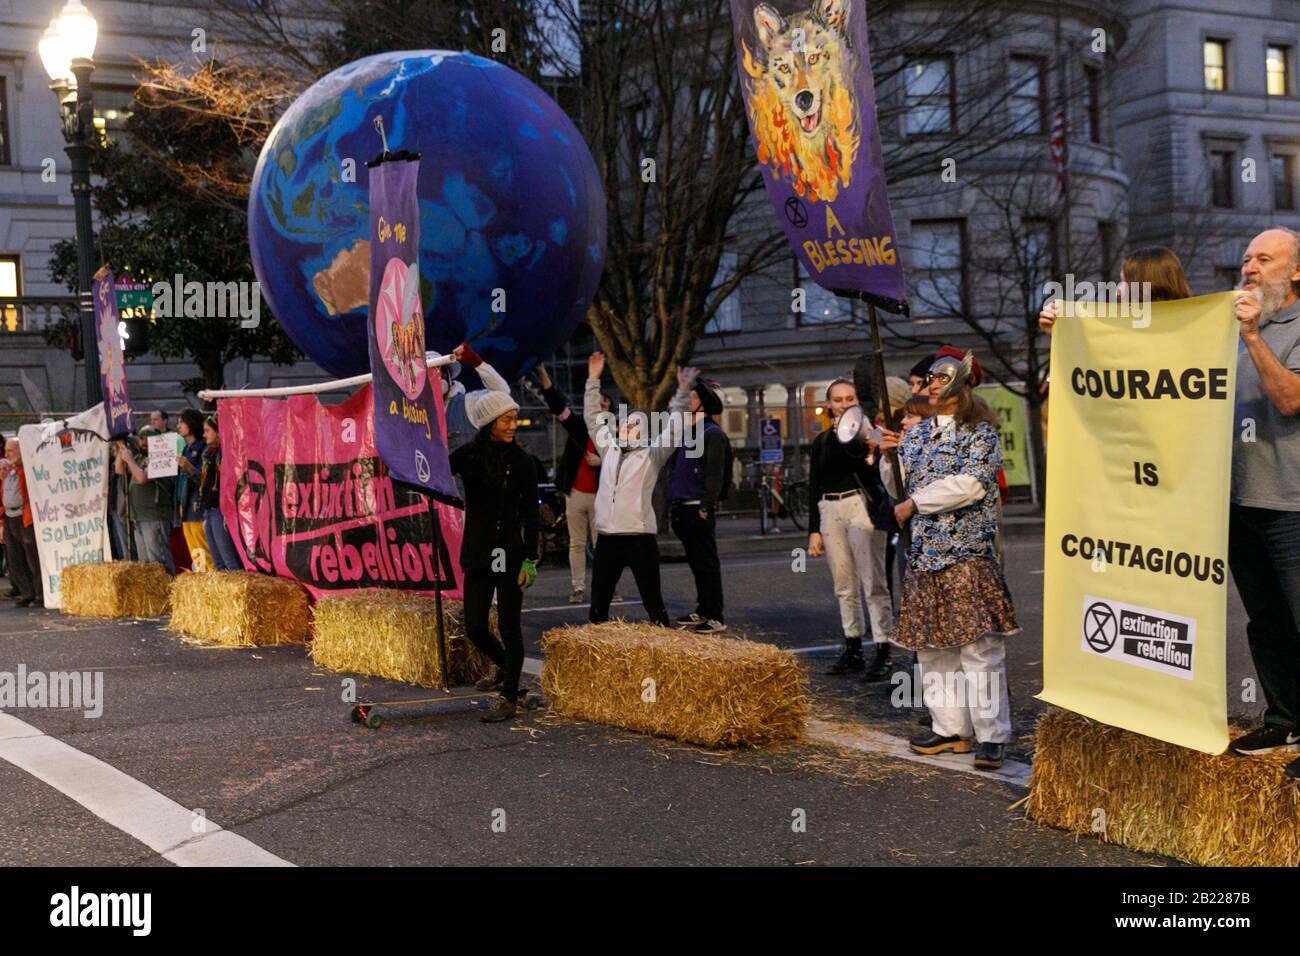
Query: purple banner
x: 806, y: 77
x: 112, y: 364
x: 408, y: 435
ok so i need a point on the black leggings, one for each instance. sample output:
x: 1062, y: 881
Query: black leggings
x: 479, y: 585
x: 614, y: 552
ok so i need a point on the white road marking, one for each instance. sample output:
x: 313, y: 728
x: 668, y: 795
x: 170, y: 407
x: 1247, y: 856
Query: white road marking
x: 136, y: 809
x: 576, y: 607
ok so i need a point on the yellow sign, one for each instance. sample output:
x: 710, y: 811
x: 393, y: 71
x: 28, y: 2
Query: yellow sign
x: 1135, y: 563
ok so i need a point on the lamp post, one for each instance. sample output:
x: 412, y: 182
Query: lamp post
x: 66, y: 49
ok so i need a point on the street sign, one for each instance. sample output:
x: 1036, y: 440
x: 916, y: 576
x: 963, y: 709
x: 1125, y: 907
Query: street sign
x: 769, y: 442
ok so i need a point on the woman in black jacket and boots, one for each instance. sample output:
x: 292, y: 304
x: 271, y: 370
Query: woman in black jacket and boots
x: 499, y: 550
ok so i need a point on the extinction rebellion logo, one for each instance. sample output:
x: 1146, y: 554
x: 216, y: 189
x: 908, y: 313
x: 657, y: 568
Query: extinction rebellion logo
x: 1156, y: 640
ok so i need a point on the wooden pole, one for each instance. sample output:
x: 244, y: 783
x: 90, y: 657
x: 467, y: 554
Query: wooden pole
x: 904, y: 534
x: 437, y: 595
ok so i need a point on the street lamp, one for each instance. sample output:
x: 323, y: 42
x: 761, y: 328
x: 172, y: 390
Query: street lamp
x: 66, y: 49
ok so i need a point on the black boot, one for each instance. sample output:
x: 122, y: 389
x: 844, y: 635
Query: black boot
x: 880, y: 665
x: 850, y: 661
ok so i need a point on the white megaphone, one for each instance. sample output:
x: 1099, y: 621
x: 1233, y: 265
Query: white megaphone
x: 850, y: 429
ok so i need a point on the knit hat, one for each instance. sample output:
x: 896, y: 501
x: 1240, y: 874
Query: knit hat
x: 709, y: 400
x: 899, y: 392
x: 484, y: 405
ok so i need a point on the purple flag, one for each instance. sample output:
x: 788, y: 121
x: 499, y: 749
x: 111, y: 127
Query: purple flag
x: 112, y: 364
x: 806, y: 77
x: 408, y: 433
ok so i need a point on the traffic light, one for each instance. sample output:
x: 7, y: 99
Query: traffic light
x: 135, y: 335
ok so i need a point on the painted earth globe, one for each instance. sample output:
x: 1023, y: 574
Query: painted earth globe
x: 512, y: 212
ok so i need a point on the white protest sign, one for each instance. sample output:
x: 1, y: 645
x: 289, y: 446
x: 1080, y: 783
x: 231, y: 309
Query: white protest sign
x: 66, y: 465
x: 162, y: 455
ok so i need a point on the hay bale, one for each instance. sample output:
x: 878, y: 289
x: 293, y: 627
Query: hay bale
x: 240, y: 609
x: 1211, y: 810
x: 714, y: 691
x: 115, y: 589
x: 392, y: 634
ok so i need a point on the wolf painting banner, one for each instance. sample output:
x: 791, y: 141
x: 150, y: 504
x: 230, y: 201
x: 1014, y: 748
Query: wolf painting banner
x: 313, y: 501
x: 112, y: 364
x: 806, y: 77
x: 1135, y: 563
x: 407, y: 432
x: 66, y: 466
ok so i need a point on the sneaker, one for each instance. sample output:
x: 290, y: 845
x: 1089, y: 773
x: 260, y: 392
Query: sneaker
x: 931, y: 743
x: 1292, y: 769
x: 709, y: 626
x: 689, y: 620
x: 23, y: 602
x: 577, y: 596
x: 989, y: 756
x: 850, y: 662
x: 1265, y: 740
x: 500, y: 710
x: 492, y: 681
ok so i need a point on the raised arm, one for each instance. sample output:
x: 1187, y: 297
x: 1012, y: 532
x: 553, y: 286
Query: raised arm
x: 602, y: 436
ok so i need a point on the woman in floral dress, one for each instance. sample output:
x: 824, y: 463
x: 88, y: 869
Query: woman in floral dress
x: 955, y: 610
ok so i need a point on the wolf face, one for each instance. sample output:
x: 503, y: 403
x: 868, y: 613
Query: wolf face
x: 801, y: 103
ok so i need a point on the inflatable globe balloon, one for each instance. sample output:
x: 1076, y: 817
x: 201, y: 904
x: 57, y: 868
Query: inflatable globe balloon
x: 512, y: 213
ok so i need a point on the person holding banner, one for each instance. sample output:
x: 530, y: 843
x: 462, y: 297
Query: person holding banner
x: 498, y: 553
x: 1156, y: 266
x: 956, y: 609
x: 189, y: 509
x: 843, y: 488
x: 459, y: 427
x: 150, y: 499
x: 224, y: 555
x: 625, y: 518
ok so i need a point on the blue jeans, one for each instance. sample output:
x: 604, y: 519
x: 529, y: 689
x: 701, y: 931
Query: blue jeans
x: 224, y: 555
x: 1264, y: 555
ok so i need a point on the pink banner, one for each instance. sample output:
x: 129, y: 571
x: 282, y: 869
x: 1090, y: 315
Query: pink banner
x: 312, y: 500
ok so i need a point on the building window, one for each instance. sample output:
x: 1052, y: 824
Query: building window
x: 1283, y: 172
x: 113, y: 107
x: 1092, y: 101
x: 938, y: 254
x: 727, y: 316
x: 11, y: 285
x: 1028, y: 94
x: 5, y: 159
x: 1216, y: 65
x: 931, y: 95
x: 1221, y: 169
x: 1277, y: 65
x: 820, y: 307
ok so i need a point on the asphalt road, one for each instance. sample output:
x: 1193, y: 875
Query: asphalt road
x: 260, y: 742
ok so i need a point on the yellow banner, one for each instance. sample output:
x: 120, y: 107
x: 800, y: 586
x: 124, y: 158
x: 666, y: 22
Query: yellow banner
x: 1135, y: 564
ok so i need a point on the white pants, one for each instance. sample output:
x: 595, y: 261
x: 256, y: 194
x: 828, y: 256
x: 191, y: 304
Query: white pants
x: 580, y: 516
x: 856, y: 553
x: 980, y: 705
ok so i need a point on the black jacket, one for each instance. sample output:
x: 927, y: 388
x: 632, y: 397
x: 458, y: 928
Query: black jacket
x: 832, y: 469
x: 575, y: 447
x: 500, y: 504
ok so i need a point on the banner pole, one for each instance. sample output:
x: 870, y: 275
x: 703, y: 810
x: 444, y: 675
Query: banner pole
x: 904, y: 532
x: 431, y: 360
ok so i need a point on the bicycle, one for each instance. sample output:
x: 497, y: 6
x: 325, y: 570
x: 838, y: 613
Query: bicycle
x: 778, y: 498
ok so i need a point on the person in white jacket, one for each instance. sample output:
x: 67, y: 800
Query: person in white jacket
x: 631, y: 459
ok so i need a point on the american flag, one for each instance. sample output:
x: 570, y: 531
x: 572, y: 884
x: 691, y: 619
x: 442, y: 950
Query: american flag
x: 1060, y: 128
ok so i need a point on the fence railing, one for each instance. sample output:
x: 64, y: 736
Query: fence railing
x: 34, y: 313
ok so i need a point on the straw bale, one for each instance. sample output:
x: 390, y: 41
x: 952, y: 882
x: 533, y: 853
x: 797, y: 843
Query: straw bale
x: 707, y: 690
x: 392, y: 634
x: 115, y: 589
x: 240, y: 609
x: 1211, y: 810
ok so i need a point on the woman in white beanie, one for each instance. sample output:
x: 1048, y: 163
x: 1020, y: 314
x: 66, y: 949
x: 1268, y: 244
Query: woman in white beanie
x: 498, y: 553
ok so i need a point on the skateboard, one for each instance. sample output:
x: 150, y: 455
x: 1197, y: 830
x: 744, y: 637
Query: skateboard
x: 365, y: 713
